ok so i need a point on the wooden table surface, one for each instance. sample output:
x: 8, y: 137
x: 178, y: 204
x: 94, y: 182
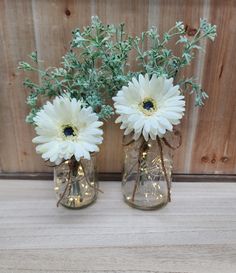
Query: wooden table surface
x: 194, y: 233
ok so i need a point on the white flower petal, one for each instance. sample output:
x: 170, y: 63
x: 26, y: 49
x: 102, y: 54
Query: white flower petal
x: 167, y: 110
x: 153, y: 136
x: 145, y: 134
x: 128, y: 131
x: 51, y: 121
x: 137, y: 134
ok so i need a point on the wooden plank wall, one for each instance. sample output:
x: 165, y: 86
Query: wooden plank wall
x: 209, y: 133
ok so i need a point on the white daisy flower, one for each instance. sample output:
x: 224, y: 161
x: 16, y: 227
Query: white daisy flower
x: 149, y: 107
x: 65, y: 128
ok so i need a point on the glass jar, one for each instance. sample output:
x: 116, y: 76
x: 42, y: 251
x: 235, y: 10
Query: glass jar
x: 147, y: 174
x: 76, y: 185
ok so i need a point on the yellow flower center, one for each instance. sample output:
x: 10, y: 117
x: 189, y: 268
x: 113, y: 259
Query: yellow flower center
x: 148, y: 106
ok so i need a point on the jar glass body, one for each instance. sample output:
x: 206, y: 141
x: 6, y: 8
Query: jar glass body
x: 76, y: 184
x: 144, y: 183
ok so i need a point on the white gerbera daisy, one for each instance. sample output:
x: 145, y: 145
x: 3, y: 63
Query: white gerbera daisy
x: 149, y: 107
x: 67, y: 129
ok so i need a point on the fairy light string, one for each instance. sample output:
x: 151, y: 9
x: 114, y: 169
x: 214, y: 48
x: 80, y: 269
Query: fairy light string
x: 87, y: 179
x: 74, y: 168
x: 138, y: 173
x: 144, y: 147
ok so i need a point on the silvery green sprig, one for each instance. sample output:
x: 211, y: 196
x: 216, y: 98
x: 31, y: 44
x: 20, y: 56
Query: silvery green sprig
x: 158, y: 59
x: 91, y: 71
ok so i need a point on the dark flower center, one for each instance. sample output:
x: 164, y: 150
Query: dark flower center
x: 148, y: 105
x: 69, y: 131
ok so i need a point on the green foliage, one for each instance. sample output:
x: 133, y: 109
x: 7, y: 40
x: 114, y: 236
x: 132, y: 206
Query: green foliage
x: 160, y: 60
x: 96, y: 67
x: 192, y: 87
x: 92, y: 70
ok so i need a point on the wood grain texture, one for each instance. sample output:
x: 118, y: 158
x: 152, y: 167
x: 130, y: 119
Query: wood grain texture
x: 208, y: 134
x: 16, y: 39
x: 214, y: 126
x: 196, y: 233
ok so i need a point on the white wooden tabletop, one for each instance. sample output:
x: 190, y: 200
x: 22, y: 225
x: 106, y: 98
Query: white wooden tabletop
x: 194, y: 233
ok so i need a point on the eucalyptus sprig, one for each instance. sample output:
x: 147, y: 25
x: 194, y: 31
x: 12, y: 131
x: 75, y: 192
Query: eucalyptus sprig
x: 92, y: 70
x: 159, y: 59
